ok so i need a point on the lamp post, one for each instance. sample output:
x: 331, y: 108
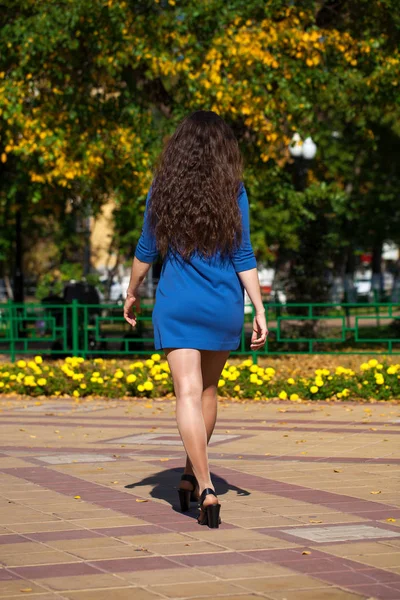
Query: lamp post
x: 303, y: 153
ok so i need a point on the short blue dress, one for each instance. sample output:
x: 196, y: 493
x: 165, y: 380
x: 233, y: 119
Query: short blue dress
x: 199, y: 304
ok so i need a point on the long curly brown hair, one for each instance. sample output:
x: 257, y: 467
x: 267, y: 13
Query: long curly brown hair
x: 193, y: 205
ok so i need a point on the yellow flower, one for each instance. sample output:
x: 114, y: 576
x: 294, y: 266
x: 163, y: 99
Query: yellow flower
x: 32, y: 364
x: 42, y: 381
x: 21, y: 364
x: 148, y: 385
x: 313, y: 389
x: 373, y: 362
x: 283, y: 395
x: 149, y: 363
x: 38, y: 360
x: 221, y: 383
x: 93, y: 379
x: 319, y: 382
x: 1, y: 384
x: 365, y: 367
x: 225, y: 373
x: 98, y: 360
x: 270, y: 371
x: 253, y: 378
x: 83, y: 386
x: 131, y: 378
x: 290, y: 380
x: 96, y: 374
x: 118, y: 374
x: 253, y: 369
x: 140, y: 387
x: 391, y: 370
x: 294, y: 397
x: 379, y: 366
x: 247, y: 363
x: 100, y: 380
x: 75, y: 393
x: 237, y: 388
x: 155, y: 357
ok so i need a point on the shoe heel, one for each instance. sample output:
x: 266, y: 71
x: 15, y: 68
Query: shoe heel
x: 184, y: 498
x: 213, y: 515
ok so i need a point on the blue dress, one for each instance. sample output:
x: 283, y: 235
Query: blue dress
x: 199, y: 304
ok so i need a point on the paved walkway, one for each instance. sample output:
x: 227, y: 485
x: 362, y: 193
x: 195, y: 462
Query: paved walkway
x: 88, y: 503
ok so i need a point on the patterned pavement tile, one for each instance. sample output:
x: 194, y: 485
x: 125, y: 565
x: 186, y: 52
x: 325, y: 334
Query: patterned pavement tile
x: 310, y: 504
x: 342, y: 533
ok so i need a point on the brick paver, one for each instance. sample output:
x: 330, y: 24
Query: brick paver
x: 89, y: 507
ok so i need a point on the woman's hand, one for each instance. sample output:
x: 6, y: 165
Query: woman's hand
x: 131, y: 307
x: 260, y: 331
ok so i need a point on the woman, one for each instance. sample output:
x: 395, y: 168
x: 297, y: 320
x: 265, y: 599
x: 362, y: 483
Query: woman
x: 197, y: 218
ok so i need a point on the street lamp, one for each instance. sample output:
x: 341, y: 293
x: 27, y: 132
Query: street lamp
x: 302, y: 152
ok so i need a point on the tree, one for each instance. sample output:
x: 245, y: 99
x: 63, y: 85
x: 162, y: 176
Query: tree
x: 90, y: 88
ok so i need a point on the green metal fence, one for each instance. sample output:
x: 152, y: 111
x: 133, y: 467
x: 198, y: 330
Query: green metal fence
x: 89, y: 330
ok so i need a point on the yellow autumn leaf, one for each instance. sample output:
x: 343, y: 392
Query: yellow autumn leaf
x: 115, y: 482
x: 337, y: 470
x: 164, y: 459
x: 377, y: 492
x: 306, y: 552
x: 26, y: 590
x: 77, y: 497
x: 390, y: 520
x: 141, y: 500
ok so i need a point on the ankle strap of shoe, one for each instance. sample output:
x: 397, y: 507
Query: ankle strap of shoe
x: 204, y: 493
x: 191, y: 478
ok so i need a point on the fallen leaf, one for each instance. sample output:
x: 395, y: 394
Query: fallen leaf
x: 77, y: 497
x: 378, y: 492
x: 240, y: 456
x: 100, y: 468
x: 116, y: 455
x: 315, y: 521
x: 22, y: 429
x: 390, y: 520
x: 306, y: 552
x: 267, y: 454
x: 32, y: 436
x: 372, y: 429
x: 56, y: 431
x: 26, y: 590
x: 164, y: 459
x: 227, y: 430
x: 115, y: 482
x: 337, y: 470
x: 141, y: 500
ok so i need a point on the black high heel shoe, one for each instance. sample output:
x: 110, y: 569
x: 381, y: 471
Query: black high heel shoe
x: 187, y: 496
x: 210, y: 512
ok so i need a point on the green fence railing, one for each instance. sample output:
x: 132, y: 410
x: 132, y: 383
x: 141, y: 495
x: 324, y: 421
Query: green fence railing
x: 90, y: 330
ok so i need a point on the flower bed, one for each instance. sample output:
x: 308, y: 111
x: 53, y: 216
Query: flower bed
x: 240, y: 380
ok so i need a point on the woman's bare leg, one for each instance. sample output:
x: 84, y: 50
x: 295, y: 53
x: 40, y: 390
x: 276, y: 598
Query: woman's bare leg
x: 185, y: 365
x: 212, y: 363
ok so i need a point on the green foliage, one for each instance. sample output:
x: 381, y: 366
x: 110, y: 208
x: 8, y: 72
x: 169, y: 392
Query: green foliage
x: 89, y: 89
